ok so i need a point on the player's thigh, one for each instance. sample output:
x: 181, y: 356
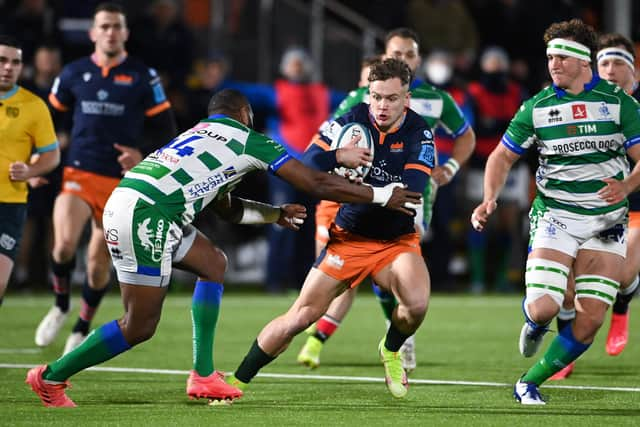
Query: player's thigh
x: 632, y: 261
x: 317, y: 292
x: 70, y: 214
x: 408, y: 278
x: 202, y: 257
x: 600, y: 263
x: 342, y: 303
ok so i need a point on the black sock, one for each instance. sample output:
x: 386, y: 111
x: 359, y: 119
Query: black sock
x: 394, y: 339
x: 252, y: 363
x: 561, y: 323
x: 90, y: 301
x: 62, y: 282
x: 621, y: 306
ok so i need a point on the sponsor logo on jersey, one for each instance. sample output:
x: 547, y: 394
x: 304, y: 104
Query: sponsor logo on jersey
x: 554, y: 116
x: 573, y: 130
x: 12, y: 112
x: 102, y: 94
x: 213, y: 135
x: 579, y: 111
x: 7, y: 242
x: 86, y: 77
x: 204, y: 187
x: 397, y: 147
x: 335, y: 261
x: 102, y: 108
x: 585, y: 145
x: 123, y: 79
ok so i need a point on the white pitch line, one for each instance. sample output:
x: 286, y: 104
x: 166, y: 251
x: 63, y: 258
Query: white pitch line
x: 20, y: 350
x: 336, y: 378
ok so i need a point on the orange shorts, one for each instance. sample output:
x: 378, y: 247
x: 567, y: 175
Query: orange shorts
x: 634, y: 219
x: 326, y: 212
x: 351, y: 258
x: 94, y: 189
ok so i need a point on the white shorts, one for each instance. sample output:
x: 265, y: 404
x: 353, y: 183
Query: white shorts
x: 568, y: 232
x: 142, y: 240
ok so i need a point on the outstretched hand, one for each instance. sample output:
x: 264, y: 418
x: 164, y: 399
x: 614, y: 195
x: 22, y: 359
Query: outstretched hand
x: 292, y: 216
x: 481, y: 214
x: 128, y: 158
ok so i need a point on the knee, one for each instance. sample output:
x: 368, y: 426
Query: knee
x: 215, y: 265
x: 137, y: 332
x: 98, y: 273
x: 63, y: 250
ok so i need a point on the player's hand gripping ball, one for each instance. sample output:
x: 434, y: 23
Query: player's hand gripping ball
x: 347, y: 133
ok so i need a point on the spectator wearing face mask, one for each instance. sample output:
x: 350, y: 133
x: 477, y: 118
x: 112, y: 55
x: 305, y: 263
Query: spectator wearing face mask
x: 438, y: 69
x: 496, y: 98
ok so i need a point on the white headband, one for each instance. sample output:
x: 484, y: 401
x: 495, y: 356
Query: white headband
x: 569, y: 48
x: 616, y: 53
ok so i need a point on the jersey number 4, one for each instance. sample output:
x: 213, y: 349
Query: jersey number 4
x: 181, y: 146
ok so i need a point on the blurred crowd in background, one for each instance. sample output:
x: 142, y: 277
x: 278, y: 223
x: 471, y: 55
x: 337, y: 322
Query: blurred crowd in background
x: 488, y: 54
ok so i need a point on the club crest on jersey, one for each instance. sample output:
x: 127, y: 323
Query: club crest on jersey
x: 12, y: 112
x: 123, y: 79
x: 102, y: 94
x: 397, y: 147
x: 603, y: 110
x: 86, y: 77
x: 579, y: 111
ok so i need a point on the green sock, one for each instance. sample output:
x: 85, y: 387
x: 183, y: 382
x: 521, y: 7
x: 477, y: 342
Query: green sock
x: 563, y: 350
x: 205, y: 308
x: 386, y: 300
x: 477, y: 258
x: 102, y: 344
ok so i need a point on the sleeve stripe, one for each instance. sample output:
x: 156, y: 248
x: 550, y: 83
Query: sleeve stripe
x: 320, y: 143
x: 507, y: 142
x: 631, y: 142
x: 57, y: 104
x: 462, y: 129
x: 419, y: 167
x: 49, y: 147
x: 157, y: 109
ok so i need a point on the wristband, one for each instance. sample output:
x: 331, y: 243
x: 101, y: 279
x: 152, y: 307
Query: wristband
x: 452, y: 165
x: 258, y: 213
x: 381, y: 195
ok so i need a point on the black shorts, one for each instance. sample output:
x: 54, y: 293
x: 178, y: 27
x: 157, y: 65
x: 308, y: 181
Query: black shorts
x: 12, y: 219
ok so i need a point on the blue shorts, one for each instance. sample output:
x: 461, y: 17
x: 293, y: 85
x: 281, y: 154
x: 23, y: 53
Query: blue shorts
x: 12, y: 219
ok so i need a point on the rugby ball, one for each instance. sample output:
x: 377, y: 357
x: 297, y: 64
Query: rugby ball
x: 346, y: 134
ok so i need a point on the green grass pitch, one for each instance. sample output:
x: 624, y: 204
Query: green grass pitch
x: 467, y: 363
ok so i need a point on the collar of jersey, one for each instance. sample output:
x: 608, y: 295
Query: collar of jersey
x: 587, y: 87
x: 94, y: 58
x: 392, y: 130
x: 415, y: 83
x: 10, y: 93
x: 218, y: 116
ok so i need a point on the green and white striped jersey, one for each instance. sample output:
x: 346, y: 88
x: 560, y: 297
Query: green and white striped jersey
x: 581, y: 140
x: 204, y: 162
x: 436, y: 107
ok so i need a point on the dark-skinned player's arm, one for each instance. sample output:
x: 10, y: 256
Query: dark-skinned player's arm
x: 244, y: 211
x: 322, y: 185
